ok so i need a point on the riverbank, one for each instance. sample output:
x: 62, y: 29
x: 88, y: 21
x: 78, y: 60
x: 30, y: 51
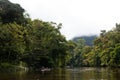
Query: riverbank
x: 6, y: 67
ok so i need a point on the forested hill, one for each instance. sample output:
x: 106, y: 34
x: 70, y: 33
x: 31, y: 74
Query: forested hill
x: 88, y: 39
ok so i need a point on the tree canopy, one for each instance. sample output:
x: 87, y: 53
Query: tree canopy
x: 35, y: 43
x: 104, y: 52
x: 10, y: 12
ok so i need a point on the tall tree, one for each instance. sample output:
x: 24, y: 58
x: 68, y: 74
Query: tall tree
x: 10, y: 12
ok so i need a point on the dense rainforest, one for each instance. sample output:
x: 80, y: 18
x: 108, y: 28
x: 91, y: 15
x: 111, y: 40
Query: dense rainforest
x: 104, y: 52
x: 35, y: 43
x: 30, y: 43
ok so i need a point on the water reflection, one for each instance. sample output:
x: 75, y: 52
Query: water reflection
x: 66, y: 74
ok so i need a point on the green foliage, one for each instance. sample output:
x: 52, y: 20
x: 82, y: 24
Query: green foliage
x: 35, y: 43
x: 115, y: 56
x: 105, y: 52
x: 7, y: 67
x: 107, y: 47
x: 10, y: 12
x: 40, y: 44
x: 77, y: 57
x: 11, y: 42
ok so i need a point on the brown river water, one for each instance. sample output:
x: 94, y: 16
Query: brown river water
x: 85, y: 73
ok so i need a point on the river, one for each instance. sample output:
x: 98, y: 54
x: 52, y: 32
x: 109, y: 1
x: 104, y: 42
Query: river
x: 85, y: 73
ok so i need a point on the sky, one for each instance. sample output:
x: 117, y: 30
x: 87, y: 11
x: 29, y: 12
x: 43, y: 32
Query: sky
x: 78, y: 17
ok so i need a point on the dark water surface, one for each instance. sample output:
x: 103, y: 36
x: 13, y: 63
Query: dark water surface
x: 66, y: 74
